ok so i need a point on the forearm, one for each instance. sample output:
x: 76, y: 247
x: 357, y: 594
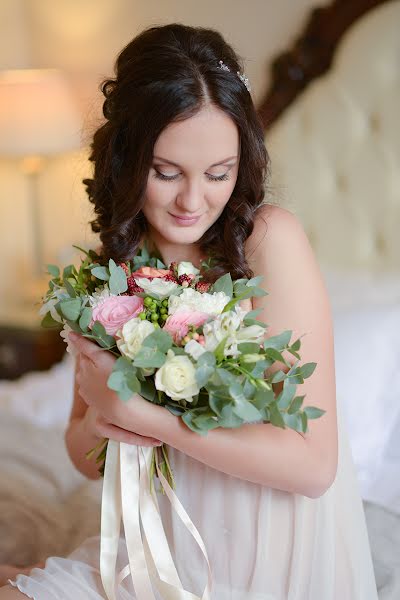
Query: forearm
x: 261, y: 453
x: 78, y: 441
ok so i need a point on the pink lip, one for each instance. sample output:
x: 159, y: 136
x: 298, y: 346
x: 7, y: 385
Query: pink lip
x: 185, y: 220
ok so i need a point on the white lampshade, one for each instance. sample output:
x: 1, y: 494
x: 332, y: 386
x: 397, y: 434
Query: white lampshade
x: 38, y: 115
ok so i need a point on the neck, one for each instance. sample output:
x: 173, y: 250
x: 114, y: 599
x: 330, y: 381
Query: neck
x: 170, y: 252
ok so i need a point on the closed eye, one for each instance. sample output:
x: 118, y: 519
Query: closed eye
x: 158, y: 175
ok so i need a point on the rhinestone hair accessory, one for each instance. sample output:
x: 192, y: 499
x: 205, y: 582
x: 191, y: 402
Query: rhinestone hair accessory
x: 241, y: 76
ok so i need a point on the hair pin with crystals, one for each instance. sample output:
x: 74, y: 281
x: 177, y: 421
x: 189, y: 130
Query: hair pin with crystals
x: 245, y: 80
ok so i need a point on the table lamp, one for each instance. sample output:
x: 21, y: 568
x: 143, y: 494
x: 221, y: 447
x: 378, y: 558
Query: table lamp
x: 38, y: 120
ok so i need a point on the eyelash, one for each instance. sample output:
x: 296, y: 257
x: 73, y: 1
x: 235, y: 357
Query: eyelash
x: 159, y: 175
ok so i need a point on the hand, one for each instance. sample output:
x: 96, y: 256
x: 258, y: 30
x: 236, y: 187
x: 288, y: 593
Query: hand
x: 137, y: 415
x: 97, y: 425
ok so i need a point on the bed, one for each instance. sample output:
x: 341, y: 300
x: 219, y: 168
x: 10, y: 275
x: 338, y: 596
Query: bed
x: 331, y: 130
x: 333, y: 134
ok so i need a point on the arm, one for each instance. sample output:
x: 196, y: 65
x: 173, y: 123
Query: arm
x: 88, y: 427
x: 79, y: 438
x: 297, y: 300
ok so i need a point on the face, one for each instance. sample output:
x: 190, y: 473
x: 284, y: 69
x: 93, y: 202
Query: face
x: 194, y: 171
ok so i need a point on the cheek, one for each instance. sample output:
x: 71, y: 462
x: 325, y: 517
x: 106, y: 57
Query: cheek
x: 157, y: 197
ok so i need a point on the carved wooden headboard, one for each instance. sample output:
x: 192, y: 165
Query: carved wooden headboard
x: 333, y: 133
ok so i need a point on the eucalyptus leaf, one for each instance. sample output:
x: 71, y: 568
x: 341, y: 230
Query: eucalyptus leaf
x: 124, y: 365
x: 105, y: 340
x: 53, y: 270
x: 286, y: 396
x: 69, y: 288
x: 148, y: 390
x: 159, y: 340
x: 85, y: 318
x: 48, y: 322
x: 296, y: 404
x: 279, y: 342
x: 71, y: 308
x: 263, y: 398
x: 293, y: 421
x: 275, y: 416
x: 254, y: 281
x: 313, y: 412
x: 304, y: 421
x: 225, y: 377
x: 308, y: 369
x: 203, y: 374
x: 118, y: 281
x: 207, y: 358
x: 149, y: 357
x: 68, y: 271
x: 249, y: 348
x: 101, y: 273
x: 224, y: 284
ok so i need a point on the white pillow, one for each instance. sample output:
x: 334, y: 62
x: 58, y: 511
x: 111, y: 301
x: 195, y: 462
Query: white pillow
x: 366, y: 316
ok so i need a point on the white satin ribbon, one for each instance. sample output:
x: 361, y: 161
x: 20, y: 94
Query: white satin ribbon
x: 127, y: 496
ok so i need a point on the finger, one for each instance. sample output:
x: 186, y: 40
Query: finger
x: 119, y: 434
x: 85, y: 346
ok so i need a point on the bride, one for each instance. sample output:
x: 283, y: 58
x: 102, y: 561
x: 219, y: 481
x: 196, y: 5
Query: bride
x: 181, y: 163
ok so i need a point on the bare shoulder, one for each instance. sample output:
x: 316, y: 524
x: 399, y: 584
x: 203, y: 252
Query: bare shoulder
x: 297, y: 300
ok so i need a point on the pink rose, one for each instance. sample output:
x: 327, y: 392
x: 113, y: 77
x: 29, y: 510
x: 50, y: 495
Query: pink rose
x: 151, y: 272
x: 178, y: 323
x: 115, y: 311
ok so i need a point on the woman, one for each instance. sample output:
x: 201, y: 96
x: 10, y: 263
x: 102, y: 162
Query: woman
x: 181, y: 163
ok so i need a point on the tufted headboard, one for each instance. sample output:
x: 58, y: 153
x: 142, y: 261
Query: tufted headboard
x: 335, y: 149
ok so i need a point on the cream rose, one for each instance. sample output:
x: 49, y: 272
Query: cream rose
x: 177, y: 377
x: 191, y: 299
x: 131, y: 336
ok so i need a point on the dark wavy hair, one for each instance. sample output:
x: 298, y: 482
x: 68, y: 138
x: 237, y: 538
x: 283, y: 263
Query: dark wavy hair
x: 167, y: 74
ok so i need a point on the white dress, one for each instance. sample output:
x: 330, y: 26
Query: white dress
x: 263, y: 544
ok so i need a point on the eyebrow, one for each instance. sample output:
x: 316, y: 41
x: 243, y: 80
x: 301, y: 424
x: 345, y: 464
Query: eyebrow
x: 221, y: 162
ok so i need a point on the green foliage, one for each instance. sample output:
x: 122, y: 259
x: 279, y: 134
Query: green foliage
x: 232, y: 390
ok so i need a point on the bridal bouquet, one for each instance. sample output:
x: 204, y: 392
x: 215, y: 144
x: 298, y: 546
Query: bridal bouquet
x: 181, y: 342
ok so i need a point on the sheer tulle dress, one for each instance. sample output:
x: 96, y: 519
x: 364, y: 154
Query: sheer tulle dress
x: 263, y: 544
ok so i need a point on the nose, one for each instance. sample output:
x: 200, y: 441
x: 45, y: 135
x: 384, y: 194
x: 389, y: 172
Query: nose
x: 190, y: 199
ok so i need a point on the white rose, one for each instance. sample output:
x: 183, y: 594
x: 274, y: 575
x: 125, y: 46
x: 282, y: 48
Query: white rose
x: 156, y: 286
x: 228, y: 325
x: 186, y: 268
x: 194, y: 349
x: 190, y: 299
x: 177, y: 377
x: 131, y: 336
x: 224, y: 325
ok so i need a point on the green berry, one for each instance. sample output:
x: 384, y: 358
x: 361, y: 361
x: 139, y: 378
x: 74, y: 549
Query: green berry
x: 148, y: 301
x: 164, y: 317
x: 154, y: 316
x: 165, y: 302
x: 156, y: 325
x: 142, y: 316
x: 163, y: 310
